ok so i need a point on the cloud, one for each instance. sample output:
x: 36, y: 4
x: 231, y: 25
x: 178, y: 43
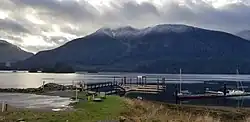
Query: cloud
x: 45, y: 24
x: 12, y: 26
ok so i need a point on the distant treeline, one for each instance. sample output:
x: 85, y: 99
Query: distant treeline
x: 199, y: 66
x: 57, y: 68
x: 204, y: 66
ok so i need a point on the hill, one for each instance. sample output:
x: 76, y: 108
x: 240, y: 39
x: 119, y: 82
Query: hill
x: 157, y: 49
x: 11, y: 53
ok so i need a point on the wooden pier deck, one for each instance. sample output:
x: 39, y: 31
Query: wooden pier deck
x: 114, y: 87
x: 126, y: 85
x: 144, y: 88
x: 118, y: 85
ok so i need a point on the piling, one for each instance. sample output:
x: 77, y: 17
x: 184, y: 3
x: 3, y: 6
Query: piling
x: 130, y: 81
x: 225, y: 89
x: 125, y: 80
x: 137, y: 81
x: 164, y: 83
x: 4, y: 106
x: 85, y: 86
x: 76, y: 94
x: 176, y: 95
x: 72, y: 86
x: 140, y: 81
x: 121, y: 83
x: 43, y: 85
x: 157, y: 84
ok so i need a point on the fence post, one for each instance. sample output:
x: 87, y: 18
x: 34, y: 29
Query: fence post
x: 6, y: 107
x: 157, y: 84
x: 76, y: 93
x: 72, y: 86
x: 176, y: 95
x: 43, y: 85
x: 3, y: 106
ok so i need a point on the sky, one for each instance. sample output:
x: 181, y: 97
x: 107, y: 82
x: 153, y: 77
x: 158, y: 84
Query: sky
x: 36, y: 25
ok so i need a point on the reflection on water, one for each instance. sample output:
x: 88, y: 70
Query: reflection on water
x: 20, y: 100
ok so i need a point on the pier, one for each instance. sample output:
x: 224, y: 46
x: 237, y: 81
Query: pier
x: 119, y: 85
x: 124, y: 85
x: 127, y: 85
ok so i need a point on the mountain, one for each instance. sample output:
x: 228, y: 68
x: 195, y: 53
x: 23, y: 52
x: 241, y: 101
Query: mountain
x: 12, y: 53
x: 244, y: 34
x: 158, y: 49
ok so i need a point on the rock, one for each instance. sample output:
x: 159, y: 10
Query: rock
x: 53, y: 86
x: 122, y: 119
x: 21, y: 120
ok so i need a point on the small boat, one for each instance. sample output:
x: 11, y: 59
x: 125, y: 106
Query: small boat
x: 214, y: 92
x: 237, y: 91
x: 97, y: 100
x: 182, y: 92
x: 139, y: 98
x: 207, y: 91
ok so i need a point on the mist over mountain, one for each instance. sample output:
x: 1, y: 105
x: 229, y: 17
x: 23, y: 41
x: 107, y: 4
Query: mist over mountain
x: 244, y: 34
x: 158, y: 49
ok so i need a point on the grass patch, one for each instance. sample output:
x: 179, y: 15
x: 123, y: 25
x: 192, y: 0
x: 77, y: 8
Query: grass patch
x: 109, y: 109
x: 146, y: 111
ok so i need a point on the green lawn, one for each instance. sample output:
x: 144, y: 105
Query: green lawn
x: 109, y: 109
x: 133, y: 110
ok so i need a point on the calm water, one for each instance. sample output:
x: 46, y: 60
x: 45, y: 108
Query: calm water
x: 190, y: 81
x: 33, y: 80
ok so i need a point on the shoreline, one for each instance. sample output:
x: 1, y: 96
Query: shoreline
x: 135, y: 108
x: 65, y: 103
x: 69, y: 95
x: 52, y: 89
x: 131, y: 109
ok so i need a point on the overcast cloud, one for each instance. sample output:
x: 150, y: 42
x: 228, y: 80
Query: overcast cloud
x: 37, y: 25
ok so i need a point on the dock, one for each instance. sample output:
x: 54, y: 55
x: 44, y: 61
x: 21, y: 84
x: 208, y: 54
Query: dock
x: 145, y: 88
x: 112, y: 88
x: 204, y: 96
x: 126, y: 85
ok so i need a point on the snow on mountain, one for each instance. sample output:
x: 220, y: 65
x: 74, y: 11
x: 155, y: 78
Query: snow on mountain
x: 118, y: 32
x: 129, y: 31
x: 169, y: 28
